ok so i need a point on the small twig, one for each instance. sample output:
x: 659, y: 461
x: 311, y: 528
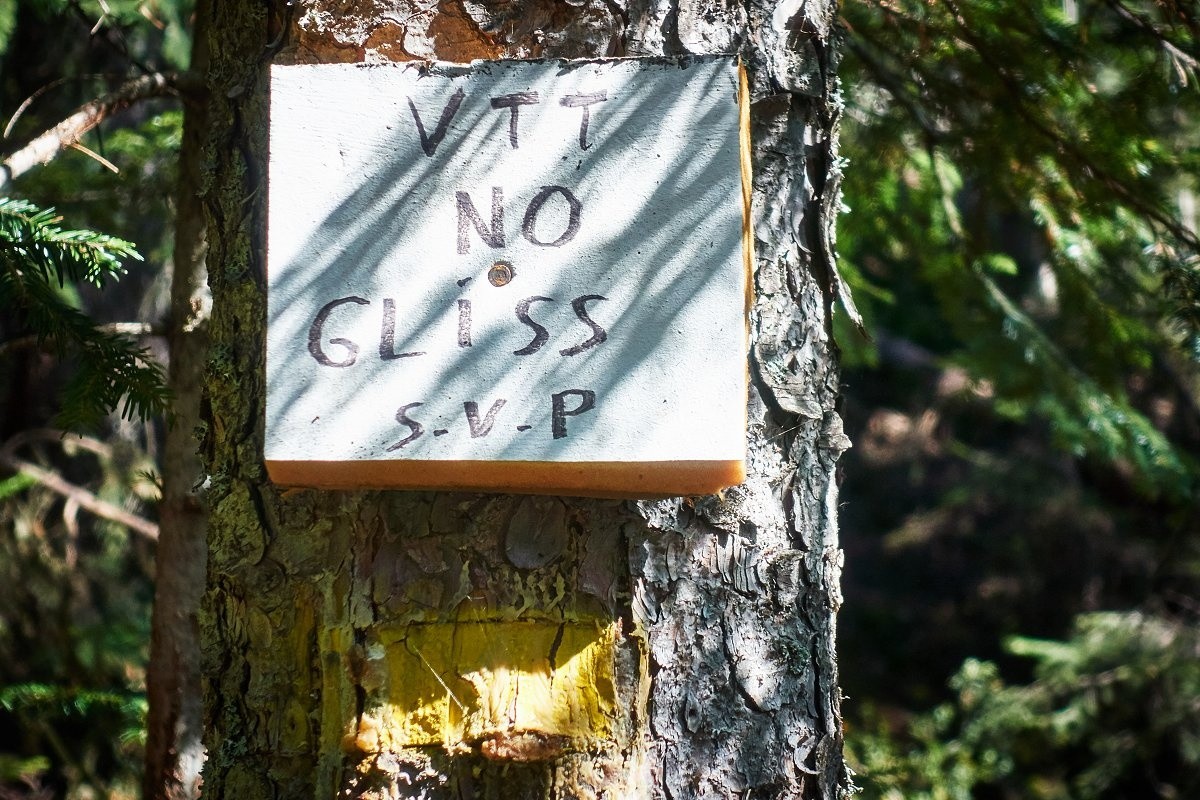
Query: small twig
x: 119, y: 47
x: 28, y: 101
x: 86, y: 500
x: 88, y: 116
x: 70, y: 516
x: 104, y: 162
x: 105, y: 11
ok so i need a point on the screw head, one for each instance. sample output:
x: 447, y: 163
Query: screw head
x: 501, y: 273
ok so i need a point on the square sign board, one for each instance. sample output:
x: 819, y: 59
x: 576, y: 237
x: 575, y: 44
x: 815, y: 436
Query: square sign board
x: 515, y: 275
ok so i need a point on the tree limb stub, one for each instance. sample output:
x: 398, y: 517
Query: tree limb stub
x: 68, y: 132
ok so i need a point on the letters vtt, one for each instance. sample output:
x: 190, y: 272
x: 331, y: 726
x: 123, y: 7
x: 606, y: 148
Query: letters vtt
x: 492, y: 233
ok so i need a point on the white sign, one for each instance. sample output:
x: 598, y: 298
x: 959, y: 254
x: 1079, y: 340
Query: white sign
x: 533, y: 267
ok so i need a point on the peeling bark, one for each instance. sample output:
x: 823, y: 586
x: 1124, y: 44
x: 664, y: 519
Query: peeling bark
x: 694, y: 636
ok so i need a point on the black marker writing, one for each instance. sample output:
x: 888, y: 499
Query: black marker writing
x: 559, y: 412
x: 387, y: 333
x: 464, y: 323
x: 481, y: 428
x: 535, y: 206
x: 599, y: 335
x: 493, y: 236
x: 415, y: 428
x: 540, y: 334
x: 314, y: 334
x: 583, y: 101
x: 513, y: 102
x: 430, y: 143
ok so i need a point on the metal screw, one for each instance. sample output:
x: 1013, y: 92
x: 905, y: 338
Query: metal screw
x: 501, y: 273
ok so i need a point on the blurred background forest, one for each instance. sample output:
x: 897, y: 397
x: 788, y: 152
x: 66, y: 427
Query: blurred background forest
x: 1020, y: 511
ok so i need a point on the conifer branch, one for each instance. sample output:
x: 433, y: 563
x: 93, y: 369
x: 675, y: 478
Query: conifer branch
x: 36, y: 254
x: 115, y: 328
x: 1067, y: 144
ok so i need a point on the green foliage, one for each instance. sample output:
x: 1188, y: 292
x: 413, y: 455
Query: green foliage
x: 74, y: 616
x: 54, y: 714
x: 42, y: 700
x: 33, y: 243
x: 37, y: 260
x: 74, y: 625
x: 1023, y: 181
x: 153, y: 28
x: 146, y: 154
x: 15, y: 485
x: 1112, y: 712
x: 8, y: 21
x: 1019, y: 208
x: 21, y: 770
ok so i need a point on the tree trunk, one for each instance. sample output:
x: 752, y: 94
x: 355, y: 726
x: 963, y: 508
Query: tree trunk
x: 372, y: 644
x: 174, y: 752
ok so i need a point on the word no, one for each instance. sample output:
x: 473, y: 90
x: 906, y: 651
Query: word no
x: 493, y: 235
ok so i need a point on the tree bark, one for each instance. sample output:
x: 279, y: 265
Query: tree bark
x: 695, y: 635
x: 174, y: 750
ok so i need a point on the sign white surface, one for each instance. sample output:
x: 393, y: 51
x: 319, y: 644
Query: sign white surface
x: 515, y: 261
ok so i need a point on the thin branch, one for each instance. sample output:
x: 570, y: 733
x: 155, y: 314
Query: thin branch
x: 1174, y: 50
x: 86, y: 500
x: 105, y: 12
x: 118, y: 328
x: 887, y: 80
x: 54, y: 84
x: 65, y: 439
x: 1073, y: 157
x: 89, y: 115
x: 113, y: 37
